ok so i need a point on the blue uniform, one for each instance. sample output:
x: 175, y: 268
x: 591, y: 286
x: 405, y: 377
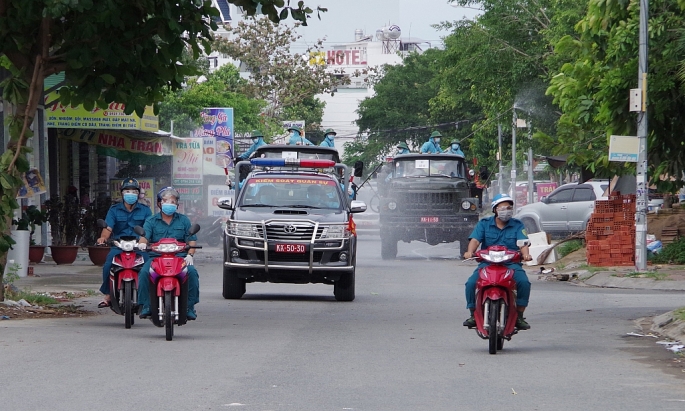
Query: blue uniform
x: 294, y: 140
x: 453, y: 151
x: 155, y: 230
x: 487, y: 233
x: 260, y: 142
x: 431, y: 147
x: 327, y: 142
x: 122, y: 222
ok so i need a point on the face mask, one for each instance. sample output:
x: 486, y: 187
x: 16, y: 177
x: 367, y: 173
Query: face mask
x: 295, y: 134
x: 455, y: 147
x: 169, y: 209
x: 437, y: 140
x: 330, y: 137
x: 255, y: 140
x: 130, y: 198
x: 505, y: 215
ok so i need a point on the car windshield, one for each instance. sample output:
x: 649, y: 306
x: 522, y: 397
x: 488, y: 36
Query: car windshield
x: 298, y: 192
x: 430, y: 168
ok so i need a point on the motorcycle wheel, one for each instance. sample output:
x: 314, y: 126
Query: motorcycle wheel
x: 128, y: 304
x: 168, y: 319
x: 492, y: 323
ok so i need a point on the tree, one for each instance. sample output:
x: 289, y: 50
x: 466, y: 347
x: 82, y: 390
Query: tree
x: 119, y: 50
x: 282, y: 78
x: 219, y: 90
x: 592, y: 88
x: 401, y: 111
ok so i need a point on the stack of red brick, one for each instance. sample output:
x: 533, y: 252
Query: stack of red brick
x: 610, y: 234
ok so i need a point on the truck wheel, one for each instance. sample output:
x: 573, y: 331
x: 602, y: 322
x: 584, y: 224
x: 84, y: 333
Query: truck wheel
x: 234, y: 287
x: 343, y: 289
x: 388, y: 249
x: 530, y: 225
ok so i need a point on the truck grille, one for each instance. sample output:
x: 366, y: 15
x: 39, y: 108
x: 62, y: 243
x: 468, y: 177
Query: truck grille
x: 285, y: 232
x: 428, y: 201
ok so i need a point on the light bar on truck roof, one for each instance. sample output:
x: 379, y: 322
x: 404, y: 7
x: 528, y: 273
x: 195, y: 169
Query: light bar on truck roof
x: 284, y: 162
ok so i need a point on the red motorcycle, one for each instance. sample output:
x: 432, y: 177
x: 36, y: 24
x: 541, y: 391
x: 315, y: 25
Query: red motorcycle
x: 496, y: 312
x: 123, y: 277
x: 169, y: 283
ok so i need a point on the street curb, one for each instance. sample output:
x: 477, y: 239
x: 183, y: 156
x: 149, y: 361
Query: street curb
x: 608, y: 280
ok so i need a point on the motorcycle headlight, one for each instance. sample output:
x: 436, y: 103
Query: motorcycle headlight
x: 243, y: 230
x: 335, y: 231
x: 167, y: 248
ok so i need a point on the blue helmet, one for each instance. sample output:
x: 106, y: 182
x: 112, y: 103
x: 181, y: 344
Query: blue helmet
x: 167, y: 190
x: 501, y: 198
x: 130, y: 184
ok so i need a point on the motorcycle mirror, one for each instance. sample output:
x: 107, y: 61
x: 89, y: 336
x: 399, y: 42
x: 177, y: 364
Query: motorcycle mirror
x: 102, y: 223
x: 139, y: 230
x: 194, y: 229
x: 358, y: 168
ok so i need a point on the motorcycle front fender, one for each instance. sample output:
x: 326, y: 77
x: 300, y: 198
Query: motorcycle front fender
x: 128, y: 275
x: 168, y: 284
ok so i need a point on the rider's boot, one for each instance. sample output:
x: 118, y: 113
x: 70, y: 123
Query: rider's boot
x: 471, y: 321
x: 521, y: 323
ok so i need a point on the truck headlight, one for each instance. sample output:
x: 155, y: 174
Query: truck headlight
x: 392, y: 205
x: 243, y: 230
x: 466, y: 205
x: 335, y: 231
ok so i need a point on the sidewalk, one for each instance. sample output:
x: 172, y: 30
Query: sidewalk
x: 50, y: 277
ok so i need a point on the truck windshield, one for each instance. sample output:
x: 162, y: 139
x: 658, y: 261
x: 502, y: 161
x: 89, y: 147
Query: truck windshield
x: 430, y: 168
x: 299, y: 192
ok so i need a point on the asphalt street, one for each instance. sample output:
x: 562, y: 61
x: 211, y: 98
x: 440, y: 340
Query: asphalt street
x: 399, y: 346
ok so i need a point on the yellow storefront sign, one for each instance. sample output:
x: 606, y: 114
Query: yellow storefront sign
x: 113, y: 117
x: 160, y: 146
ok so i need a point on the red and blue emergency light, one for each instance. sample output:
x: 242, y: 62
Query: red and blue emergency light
x: 284, y: 162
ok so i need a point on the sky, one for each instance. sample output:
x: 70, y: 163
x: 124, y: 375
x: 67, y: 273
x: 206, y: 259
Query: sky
x: 414, y: 17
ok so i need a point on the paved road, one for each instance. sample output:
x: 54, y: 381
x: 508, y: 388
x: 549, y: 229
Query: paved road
x: 398, y: 346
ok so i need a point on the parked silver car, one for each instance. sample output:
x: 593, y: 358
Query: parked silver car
x: 565, y: 210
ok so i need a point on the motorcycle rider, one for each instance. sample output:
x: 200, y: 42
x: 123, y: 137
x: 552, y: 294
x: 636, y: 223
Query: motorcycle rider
x: 257, y: 141
x: 402, y: 148
x: 297, y: 138
x: 168, y: 224
x: 454, y: 148
x: 120, y: 219
x: 329, y: 138
x: 500, y: 229
x: 432, y: 146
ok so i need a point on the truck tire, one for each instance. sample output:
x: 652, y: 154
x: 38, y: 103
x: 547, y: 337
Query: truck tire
x: 343, y: 289
x: 388, y: 248
x: 233, y: 287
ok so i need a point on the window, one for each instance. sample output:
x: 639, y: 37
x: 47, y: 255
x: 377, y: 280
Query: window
x: 583, y: 194
x: 561, y: 196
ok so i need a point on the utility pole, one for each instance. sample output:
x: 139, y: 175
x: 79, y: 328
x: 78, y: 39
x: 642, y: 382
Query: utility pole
x: 530, y: 161
x: 641, y: 177
x: 512, y: 188
x: 500, y: 177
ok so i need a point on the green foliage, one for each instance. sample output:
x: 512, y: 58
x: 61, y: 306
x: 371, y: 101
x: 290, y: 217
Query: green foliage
x: 12, y: 274
x: 65, y: 216
x: 569, y: 247
x: 221, y: 89
x: 32, y: 297
x: 673, y: 253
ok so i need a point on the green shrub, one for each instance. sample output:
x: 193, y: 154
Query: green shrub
x: 569, y: 247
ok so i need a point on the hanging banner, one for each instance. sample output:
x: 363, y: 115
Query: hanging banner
x: 147, y: 188
x: 160, y: 146
x: 33, y: 184
x: 209, y: 166
x: 113, y: 117
x: 187, y: 164
x: 218, y: 123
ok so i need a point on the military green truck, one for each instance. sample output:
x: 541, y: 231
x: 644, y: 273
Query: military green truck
x: 426, y: 197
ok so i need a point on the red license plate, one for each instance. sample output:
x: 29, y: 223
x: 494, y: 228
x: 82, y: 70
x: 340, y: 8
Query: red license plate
x: 430, y: 219
x: 291, y: 248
